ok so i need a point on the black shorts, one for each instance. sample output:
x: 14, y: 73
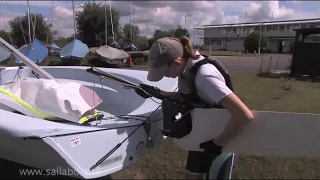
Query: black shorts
x: 216, y: 166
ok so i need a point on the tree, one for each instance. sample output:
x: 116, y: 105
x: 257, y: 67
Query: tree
x: 20, y: 29
x: 127, y: 32
x: 91, y: 24
x: 179, y: 32
x: 5, y: 36
x: 158, y: 34
x: 251, y: 43
x: 141, y: 42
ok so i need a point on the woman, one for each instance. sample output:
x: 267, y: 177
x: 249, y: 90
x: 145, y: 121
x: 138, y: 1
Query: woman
x: 171, y: 57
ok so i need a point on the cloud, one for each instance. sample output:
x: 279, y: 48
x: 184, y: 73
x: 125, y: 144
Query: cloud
x: 266, y: 11
x: 151, y: 15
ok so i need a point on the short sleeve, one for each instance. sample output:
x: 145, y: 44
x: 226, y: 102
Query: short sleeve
x: 210, y: 84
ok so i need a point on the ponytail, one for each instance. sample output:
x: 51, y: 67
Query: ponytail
x: 188, y: 51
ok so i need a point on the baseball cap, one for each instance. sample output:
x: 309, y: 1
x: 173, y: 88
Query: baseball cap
x: 163, y: 52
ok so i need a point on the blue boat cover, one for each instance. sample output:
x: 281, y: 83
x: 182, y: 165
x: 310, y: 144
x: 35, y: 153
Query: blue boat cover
x: 4, y: 53
x: 53, y: 45
x: 35, y: 51
x: 75, y: 48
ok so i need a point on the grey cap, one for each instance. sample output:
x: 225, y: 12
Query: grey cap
x: 163, y: 52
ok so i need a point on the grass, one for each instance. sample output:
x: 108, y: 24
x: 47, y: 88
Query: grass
x: 168, y: 161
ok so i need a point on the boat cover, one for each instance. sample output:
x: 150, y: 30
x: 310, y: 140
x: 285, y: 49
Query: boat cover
x: 75, y: 48
x: 4, y: 53
x: 53, y: 45
x: 48, y: 99
x: 131, y: 47
x: 36, y: 51
x: 111, y: 53
x: 93, y: 50
x: 114, y: 44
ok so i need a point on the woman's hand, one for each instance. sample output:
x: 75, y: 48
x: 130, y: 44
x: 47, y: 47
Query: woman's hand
x: 240, y: 116
x: 147, y: 91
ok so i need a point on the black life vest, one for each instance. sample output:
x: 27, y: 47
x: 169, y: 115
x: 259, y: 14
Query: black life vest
x: 179, y: 128
x: 193, y: 97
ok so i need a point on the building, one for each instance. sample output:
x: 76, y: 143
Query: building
x: 230, y: 37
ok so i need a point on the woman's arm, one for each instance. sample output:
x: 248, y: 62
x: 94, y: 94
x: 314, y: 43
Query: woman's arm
x: 240, y: 116
x: 212, y: 89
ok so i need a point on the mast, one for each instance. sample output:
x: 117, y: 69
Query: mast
x: 131, y: 22
x: 29, y: 20
x: 74, y: 22
x: 105, y: 21
x: 111, y: 20
x: 52, y: 11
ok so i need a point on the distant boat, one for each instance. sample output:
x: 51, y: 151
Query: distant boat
x: 36, y: 51
x: 114, y: 44
x: 131, y: 47
x: 76, y: 49
x: 112, y: 55
x: 53, y: 45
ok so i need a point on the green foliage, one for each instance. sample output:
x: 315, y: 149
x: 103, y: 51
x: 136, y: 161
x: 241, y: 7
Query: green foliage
x: 141, y: 42
x: 251, y: 43
x: 42, y: 29
x: 177, y: 33
x: 5, y: 35
x: 91, y: 24
x: 127, y: 32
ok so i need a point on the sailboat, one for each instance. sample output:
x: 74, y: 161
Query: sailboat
x: 44, y: 131
x: 111, y: 54
x: 35, y: 50
x: 76, y: 49
x: 131, y: 46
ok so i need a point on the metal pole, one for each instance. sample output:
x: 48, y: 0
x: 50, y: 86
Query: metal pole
x: 261, y: 64
x: 106, y: 21
x: 259, y: 49
x: 29, y: 21
x: 185, y: 21
x: 74, y: 22
x: 131, y: 39
x: 42, y: 73
x: 52, y: 22
x: 194, y: 33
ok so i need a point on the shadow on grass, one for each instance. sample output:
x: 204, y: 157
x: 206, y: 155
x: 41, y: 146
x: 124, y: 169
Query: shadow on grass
x: 287, y: 76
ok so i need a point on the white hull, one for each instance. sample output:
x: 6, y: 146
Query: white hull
x: 279, y: 134
x: 58, y: 145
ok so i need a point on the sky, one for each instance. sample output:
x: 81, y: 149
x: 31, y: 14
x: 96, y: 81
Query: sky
x: 164, y: 15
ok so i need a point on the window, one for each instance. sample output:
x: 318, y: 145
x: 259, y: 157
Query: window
x: 234, y: 29
x: 304, y: 25
x: 251, y: 29
x: 281, y: 27
x: 269, y: 28
x: 296, y: 26
x: 245, y: 30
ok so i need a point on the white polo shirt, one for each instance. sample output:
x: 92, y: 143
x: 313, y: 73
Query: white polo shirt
x: 210, y: 83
